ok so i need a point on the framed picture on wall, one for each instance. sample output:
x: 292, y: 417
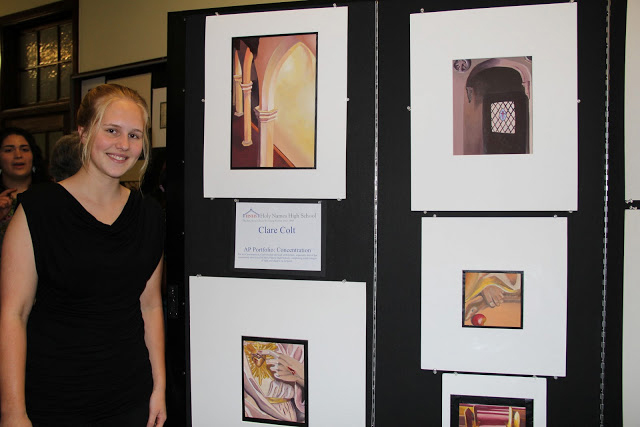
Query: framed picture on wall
x: 479, y: 321
x: 290, y: 128
x: 159, y: 118
x: 275, y: 381
x: 275, y: 104
x: 496, y: 114
x: 494, y: 109
x: 492, y: 298
x: 489, y: 400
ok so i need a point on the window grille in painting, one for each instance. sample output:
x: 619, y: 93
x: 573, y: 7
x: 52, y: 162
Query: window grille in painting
x: 46, y: 57
x: 503, y: 117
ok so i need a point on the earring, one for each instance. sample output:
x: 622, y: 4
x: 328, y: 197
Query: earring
x: 33, y: 169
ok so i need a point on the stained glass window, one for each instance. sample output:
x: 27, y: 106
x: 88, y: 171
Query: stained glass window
x: 503, y: 117
x: 29, y: 50
x: 46, y: 60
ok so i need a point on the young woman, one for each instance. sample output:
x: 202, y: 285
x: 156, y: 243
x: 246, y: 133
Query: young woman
x: 81, y: 323
x: 20, y: 165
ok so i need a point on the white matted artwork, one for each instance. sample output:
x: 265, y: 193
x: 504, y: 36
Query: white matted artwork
x: 276, y: 98
x: 630, y: 319
x: 159, y: 118
x: 632, y: 102
x: 330, y: 317
x: 534, y: 247
x: 494, y: 109
x: 496, y: 386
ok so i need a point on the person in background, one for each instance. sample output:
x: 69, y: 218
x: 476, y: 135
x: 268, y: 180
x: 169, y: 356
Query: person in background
x: 81, y: 320
x: 66, y: 157
x: 21, y: 165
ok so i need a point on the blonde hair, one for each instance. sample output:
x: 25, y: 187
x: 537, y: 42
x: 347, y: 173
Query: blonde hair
x: 92, y: 109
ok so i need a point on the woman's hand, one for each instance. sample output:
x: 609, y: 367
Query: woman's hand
x: 157, y: 409
x: 285, y: 368
x: 6, y: 201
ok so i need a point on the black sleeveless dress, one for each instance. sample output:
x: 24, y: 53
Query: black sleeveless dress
x: 86, y: 356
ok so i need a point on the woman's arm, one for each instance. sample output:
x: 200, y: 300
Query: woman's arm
x: 152, y: 314
x: 18, y: 282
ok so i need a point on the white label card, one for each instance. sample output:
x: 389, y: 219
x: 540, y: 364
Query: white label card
x: 278, y: 236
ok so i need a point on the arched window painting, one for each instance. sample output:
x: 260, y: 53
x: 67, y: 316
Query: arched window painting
x: 273, y: 102
x: 492, y: 106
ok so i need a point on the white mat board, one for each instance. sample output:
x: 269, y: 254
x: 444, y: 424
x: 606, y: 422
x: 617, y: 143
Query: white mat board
x: 330, y: 315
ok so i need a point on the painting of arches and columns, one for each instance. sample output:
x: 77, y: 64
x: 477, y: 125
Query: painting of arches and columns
x: 273, y: 101
x: 275, y: 113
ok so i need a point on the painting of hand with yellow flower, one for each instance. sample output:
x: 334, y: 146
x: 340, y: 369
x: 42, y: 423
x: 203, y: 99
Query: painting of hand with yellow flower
x: 274, y: 372
x: 492, y: 299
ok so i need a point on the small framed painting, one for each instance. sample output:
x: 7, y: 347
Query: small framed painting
x: 493, y: 401
x: 492, y: 106
x: 492, y: 299
x: 474, y: 411
x: 274, y: 381
x: 280, y: 132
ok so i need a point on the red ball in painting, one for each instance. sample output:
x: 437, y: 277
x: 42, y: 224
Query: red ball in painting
x: 478, y: 320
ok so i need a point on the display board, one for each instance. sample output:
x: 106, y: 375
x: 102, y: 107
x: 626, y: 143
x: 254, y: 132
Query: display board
x: 400, y: 255
x: 374, y: 237
x: 203, y: 241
